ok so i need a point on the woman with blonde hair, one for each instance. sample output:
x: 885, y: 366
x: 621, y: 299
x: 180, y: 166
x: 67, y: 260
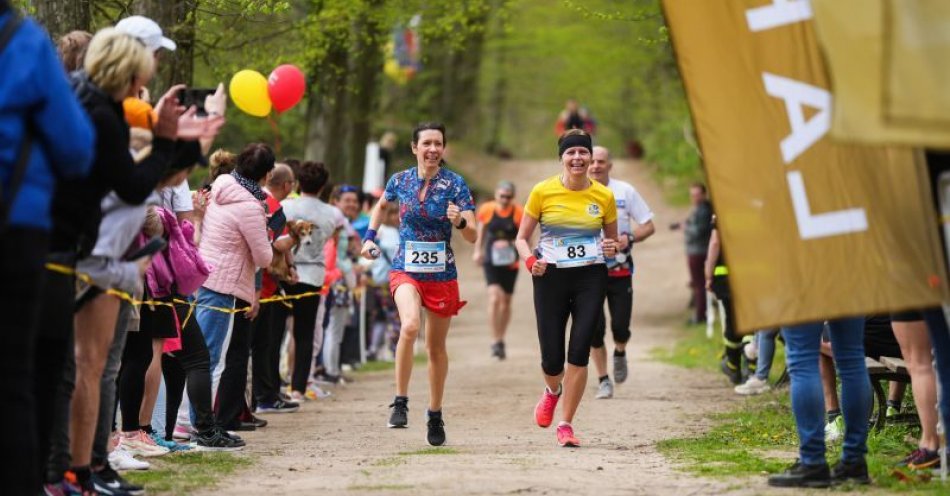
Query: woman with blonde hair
x: 116, y: 66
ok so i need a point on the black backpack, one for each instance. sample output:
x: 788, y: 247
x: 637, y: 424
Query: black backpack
x: 23, y: 156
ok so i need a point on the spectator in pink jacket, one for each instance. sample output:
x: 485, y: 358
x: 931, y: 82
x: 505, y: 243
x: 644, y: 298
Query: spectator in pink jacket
x: 233, y: 241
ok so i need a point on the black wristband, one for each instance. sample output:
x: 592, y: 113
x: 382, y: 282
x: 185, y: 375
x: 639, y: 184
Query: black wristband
x: 462, y: 224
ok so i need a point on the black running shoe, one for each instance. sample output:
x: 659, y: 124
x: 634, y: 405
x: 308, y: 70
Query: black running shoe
x: 113, y: 480
x: 400, y: 415
x: 501, y: 350
x: 801, y: 475
x: 217, y: 439
x: 436, y: 430
x: 258, y: 422
x: 104, y: 488
x: 856, y: 472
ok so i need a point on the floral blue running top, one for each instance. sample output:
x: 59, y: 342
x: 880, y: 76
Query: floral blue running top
x: 425, y: 232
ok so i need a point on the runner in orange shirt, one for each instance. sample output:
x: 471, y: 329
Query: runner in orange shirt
x: 498, y: 223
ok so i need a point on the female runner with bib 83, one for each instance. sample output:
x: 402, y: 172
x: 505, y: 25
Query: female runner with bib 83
x: 432, y: 200
x: 578, y: 219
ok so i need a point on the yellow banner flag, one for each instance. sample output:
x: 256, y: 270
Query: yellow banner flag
x: 810, y: 229
x: 888, y: 68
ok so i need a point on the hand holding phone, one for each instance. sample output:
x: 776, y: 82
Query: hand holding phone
x: 195, y: 97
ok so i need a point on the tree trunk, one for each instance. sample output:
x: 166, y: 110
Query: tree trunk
x: 498, y: 97
x: 62, y: 16
x: 368, y: 64
x: 326, y: 111
x: 177, y: 20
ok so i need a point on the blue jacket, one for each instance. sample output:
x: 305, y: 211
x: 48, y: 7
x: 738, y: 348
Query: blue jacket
x: 34, y: 88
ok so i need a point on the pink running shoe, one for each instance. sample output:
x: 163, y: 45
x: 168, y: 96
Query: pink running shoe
x: 565, y: 436
x: 544, y: 411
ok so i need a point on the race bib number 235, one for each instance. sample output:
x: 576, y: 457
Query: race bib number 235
x: 422, y: 256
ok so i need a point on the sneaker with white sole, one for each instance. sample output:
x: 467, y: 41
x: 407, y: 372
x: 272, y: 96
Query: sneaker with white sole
x: 315, y: 392
x: 834, y: 430
x: 605, y: 390
x: 279, y: 406
x: 218, y: 440
x: 752, y: 386
x: 139, y: 444
x: 119, y: 459
x: 183, y: 433
x: 172, y: 446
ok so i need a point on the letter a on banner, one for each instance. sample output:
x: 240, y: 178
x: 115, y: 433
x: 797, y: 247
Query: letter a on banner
x: 810, y: 229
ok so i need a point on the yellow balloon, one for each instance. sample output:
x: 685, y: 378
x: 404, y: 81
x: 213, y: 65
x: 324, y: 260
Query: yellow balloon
x: 248, y: 90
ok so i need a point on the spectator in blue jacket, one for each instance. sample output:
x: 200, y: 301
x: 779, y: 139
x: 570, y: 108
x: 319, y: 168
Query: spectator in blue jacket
x: 36, y: 103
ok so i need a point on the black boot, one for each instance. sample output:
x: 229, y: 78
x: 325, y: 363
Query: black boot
x: 856, y: 472
x: 801, y: 475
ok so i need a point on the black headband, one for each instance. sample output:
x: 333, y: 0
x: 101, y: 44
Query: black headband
x: 575, y: 140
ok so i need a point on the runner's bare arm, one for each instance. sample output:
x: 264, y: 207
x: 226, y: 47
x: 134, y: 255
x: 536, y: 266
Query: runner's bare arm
x: 610, y: 239
x: 534, y: 265
x: 458, y: 217
x: 478, y: 256
x: 370, y: 250
x: 642, y: 232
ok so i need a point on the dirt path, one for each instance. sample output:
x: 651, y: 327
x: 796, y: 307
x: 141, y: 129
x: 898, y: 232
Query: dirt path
x: 342, y: 445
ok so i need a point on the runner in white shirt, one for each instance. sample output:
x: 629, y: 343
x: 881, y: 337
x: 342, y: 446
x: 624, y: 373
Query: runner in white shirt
x: 631, y: 209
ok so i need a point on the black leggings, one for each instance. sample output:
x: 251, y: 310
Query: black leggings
x: 190, y: 365
x: 620, y: 304
x: 136, y: 359
x: 267, y: 334
x: 305, y: 318
x: 577, y: 293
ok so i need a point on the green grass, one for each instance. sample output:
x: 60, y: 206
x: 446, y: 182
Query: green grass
x: 758, y: 437
x: 184, y: 473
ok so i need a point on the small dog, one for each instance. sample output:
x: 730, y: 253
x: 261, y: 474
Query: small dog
x: 302, y: 233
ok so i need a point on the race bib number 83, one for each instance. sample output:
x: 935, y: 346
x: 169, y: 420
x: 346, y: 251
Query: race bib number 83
x: 422, y: 256
x: 575, y: 251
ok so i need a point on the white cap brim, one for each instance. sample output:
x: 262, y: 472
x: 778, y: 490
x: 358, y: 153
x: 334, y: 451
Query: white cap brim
x: 169, y: 44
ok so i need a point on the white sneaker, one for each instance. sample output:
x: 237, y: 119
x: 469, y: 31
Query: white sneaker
x: 834, y: 430
x: 140, y: 444
x: 752, y: 386
x: 605, y: 390
x: 120, y: 459
x: 316, y: 392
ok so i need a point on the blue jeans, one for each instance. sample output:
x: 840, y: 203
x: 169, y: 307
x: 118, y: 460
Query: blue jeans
x: 802, y: 344
x: 940, y: 339
x: 765, y: 343
x: 216, y: 327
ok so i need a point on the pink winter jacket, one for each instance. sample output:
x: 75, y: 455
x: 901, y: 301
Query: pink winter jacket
x: 234, y: 239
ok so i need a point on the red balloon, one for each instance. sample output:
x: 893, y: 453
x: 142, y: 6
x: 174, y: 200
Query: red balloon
x: 286, y: 86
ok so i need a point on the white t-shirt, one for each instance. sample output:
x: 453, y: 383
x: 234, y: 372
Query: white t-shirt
x: 630, y: 205
x: 311, y: 268
x: 176, y: 198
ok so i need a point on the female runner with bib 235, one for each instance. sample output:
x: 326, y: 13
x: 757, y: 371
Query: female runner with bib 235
x: 432, y: 200
x: 578, y: 219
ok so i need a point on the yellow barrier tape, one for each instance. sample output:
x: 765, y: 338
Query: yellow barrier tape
x: 285, y: 300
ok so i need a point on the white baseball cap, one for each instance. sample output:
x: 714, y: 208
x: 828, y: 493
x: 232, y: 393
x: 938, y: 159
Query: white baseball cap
x: 146, y: 30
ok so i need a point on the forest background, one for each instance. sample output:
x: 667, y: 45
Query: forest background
x: 496, y: 72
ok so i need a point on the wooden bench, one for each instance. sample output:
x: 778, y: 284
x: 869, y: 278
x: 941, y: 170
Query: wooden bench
x: 887, y: 369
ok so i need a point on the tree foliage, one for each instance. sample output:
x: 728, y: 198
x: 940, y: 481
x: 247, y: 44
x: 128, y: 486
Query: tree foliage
x: 497, y: 72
